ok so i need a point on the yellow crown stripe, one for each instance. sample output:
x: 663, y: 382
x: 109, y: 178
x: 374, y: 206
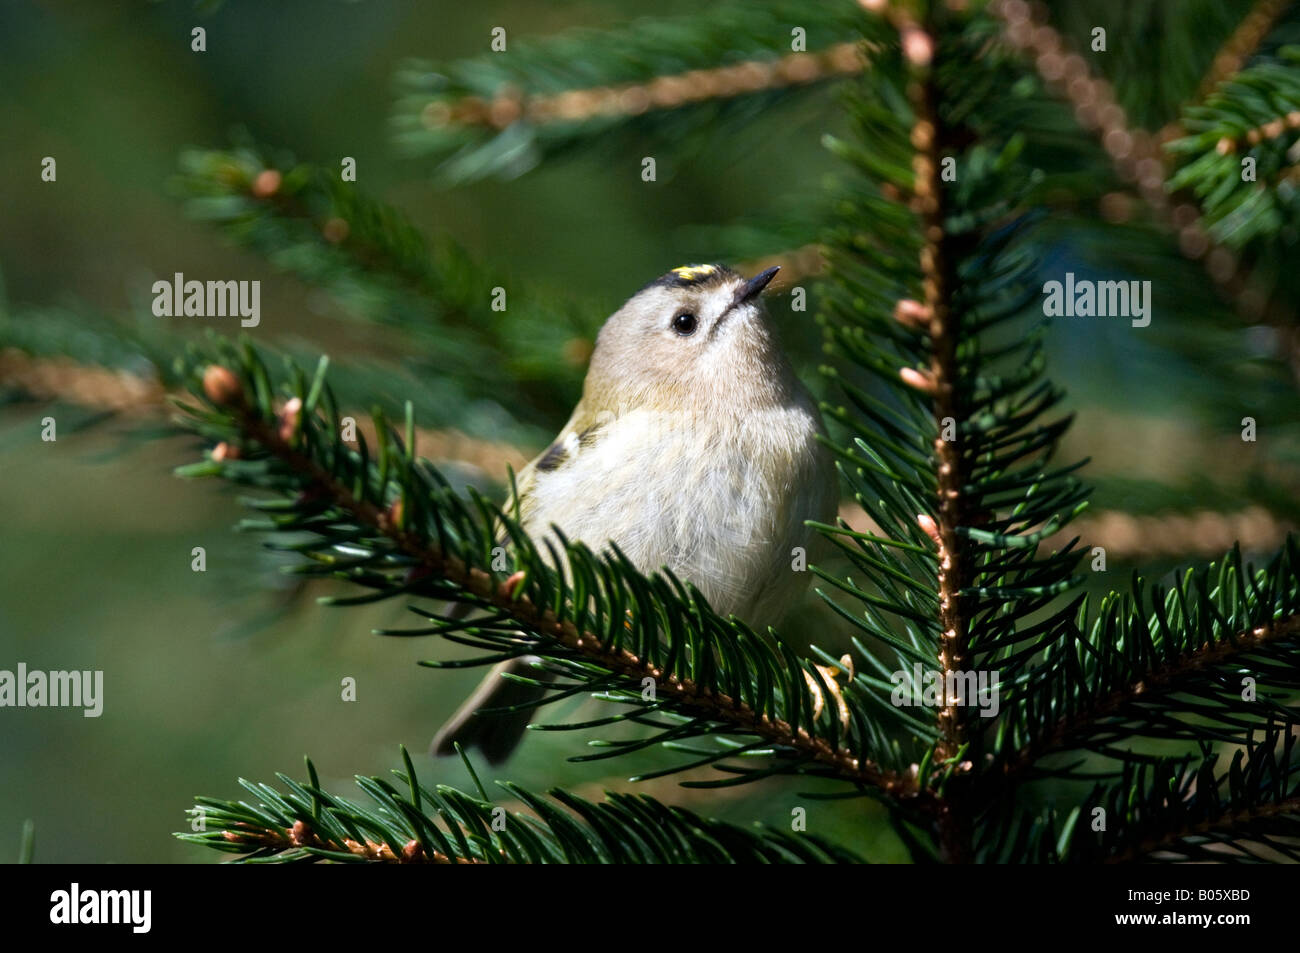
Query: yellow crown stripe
x: 694, y: 272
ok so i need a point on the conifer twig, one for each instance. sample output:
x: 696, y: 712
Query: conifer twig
x: 61, y: 378
x: 699, y: 701
x: 301, y: 835
x: 1243, y: 42
x: 1165, y: 678
x: 1228, y: 821
x: 663, y: 92
x: 126, y: 392
x: 1268, y: 130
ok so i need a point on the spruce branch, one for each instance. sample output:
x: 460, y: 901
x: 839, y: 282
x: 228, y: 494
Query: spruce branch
x: 392, y: 525
x: 930, y: 344
x: 1241, y: 45
x: 1198, y: 674
x: 380, y: 268
x: 1238, y: 159
x: 1156, y: 55
x: 622, y: 102
x: 117, y: 391
x: 1204, y: 533
x: 112, y: 367
x: 1275, y: 128
x: 1135, y: 153
x: 1256, y: 115
x: 408, y: 823
x: 670, y: 78
x: 1188, y: 813
x: 1169, y: 810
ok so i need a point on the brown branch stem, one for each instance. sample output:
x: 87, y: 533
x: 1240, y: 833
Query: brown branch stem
x: 1227, y: 822
x: 930, y: 139
x: 1250, y: 33
x: 509, y: 104
x: 300, y: 835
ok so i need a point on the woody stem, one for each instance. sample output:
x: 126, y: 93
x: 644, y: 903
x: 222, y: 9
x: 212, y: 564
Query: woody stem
x: 930, y: 138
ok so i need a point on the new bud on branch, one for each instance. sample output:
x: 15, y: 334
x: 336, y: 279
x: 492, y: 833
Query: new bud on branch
x: 221, y: 386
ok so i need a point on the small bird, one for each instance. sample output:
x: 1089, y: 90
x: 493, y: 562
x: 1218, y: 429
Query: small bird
x: 694, y: 447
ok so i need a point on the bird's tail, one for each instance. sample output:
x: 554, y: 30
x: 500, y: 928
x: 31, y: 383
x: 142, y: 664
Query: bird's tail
x: 495, y: 735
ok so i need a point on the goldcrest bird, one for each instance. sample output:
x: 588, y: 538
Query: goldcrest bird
x: 694, y: 447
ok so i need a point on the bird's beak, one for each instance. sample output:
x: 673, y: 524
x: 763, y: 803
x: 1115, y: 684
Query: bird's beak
x: 755, y: 285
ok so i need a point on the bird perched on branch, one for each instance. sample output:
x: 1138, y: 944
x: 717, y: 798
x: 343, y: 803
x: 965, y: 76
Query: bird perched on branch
x: 695, y: 447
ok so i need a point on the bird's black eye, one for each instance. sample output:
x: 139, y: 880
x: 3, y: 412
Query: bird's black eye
x: 685, y: 323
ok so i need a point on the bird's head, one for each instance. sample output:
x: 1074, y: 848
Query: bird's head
x: 695, y: 337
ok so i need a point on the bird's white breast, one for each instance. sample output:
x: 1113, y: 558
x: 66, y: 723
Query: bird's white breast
x: 722, y: 506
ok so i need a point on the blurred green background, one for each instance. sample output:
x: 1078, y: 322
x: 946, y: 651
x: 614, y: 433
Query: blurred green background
x: 212, y: 676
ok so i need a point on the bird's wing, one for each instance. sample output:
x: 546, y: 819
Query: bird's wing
x: 498, y: 736
x: 580, y: 433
